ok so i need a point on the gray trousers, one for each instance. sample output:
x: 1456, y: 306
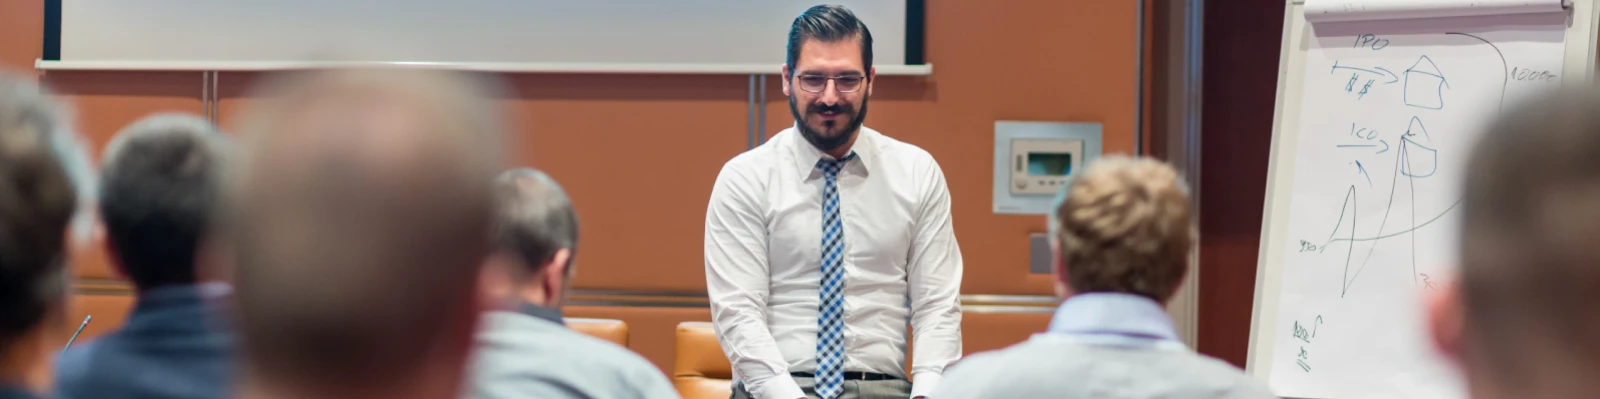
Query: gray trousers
x: 853, y: 389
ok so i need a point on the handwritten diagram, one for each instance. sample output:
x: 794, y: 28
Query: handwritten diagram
x: 1414, y: 158
x: 1384, y: 127
x: 1407, y: 167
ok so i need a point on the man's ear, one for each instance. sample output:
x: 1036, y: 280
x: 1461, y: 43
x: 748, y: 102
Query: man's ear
x: 1446, y: 319
x: 872, y: 76
x: 785, y: 74
x: 1058, y: 270
x: 555, y: 277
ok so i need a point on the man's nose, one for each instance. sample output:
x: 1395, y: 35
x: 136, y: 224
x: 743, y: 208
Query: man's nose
x: 830, y: 94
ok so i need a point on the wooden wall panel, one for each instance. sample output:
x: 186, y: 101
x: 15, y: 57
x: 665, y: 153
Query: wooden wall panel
x: 105, y: 102
x: 638, y: 155
x: 21, y: 34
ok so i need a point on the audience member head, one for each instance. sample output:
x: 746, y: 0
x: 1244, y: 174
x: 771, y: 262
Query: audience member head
x: 1523, y: 318
x: 38, y: 200
x: 359, y: 218
x: 158, y: 186
x: 1123, y: 225
x: 536, y: 233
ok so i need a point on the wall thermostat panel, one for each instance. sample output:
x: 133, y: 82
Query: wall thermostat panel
x: 1041, y: 166
x: 1035, y: 160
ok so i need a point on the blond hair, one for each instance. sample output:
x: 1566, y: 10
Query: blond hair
x: 1124, y: 225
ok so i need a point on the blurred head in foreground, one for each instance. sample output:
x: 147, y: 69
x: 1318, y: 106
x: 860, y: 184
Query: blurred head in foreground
x: 359, y: 217
x: 1123, y: 225
x: 42, y: 171
x: 1523, y: 321
x: 537, y: 237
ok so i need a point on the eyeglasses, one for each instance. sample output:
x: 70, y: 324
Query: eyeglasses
x: 818, y: 83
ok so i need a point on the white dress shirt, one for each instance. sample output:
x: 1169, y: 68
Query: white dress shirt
x: 764, y: 262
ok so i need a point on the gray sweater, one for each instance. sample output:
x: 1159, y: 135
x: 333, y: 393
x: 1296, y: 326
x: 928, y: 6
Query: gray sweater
x: 521, y: 356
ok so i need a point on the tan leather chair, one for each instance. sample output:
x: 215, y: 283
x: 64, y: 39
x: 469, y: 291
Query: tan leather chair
x: 615, y: 331
x: 702, y: 371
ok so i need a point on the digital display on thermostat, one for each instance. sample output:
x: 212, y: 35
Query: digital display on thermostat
x: 1049, y: 163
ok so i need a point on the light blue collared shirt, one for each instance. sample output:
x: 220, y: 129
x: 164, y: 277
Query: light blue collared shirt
x: 1100, y: 345
x: 1114, y: 319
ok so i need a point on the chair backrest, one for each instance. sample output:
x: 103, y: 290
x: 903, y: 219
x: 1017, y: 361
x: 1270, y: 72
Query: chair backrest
x: 615, y: 331
x: 702, y: 371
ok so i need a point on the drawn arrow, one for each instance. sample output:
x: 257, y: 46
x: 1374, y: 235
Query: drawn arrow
x: 1363, y: 171
x: 1380, y: 71
x: 1383, y: 143
x: 1392, y: 77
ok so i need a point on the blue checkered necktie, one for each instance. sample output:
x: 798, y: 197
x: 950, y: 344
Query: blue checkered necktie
x: 830, y: 324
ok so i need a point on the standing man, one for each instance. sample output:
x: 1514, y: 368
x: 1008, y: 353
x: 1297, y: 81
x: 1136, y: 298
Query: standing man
x: 825, y: 242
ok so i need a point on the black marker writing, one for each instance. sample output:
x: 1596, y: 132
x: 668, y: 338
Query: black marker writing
x: 1525, y: 74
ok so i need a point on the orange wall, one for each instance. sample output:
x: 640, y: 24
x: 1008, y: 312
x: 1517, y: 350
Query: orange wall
x: 639, y: 153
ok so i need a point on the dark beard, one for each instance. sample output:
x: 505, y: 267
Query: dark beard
x: 816, y: 138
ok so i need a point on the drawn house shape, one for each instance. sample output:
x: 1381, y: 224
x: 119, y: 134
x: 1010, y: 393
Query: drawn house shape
x: 1415, y: 128
x: 1425, y: 85
x: 1417, y: 160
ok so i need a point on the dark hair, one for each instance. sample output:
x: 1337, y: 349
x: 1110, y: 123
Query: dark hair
x: 37, y: 202
x: 828, y: 23
x: 536, y: 218
x: 158, y: 185
x: 1530, y: 213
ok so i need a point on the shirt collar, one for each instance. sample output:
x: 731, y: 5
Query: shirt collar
x: 1118, y: 314
x: 806, y: 155
x: 545, y: 313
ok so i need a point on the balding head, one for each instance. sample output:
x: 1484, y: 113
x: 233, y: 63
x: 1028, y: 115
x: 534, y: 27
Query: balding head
x: 536, y: 225
x: 1530, y: 269
x: 359, y: 217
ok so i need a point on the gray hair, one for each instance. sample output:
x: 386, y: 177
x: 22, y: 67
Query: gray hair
x: 159, y: 184
x: 535, y: 218
x: 39, y: 197
x: 36, y: 106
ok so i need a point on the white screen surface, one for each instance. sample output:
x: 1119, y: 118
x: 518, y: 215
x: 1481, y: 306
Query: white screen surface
x: 464, y: 31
